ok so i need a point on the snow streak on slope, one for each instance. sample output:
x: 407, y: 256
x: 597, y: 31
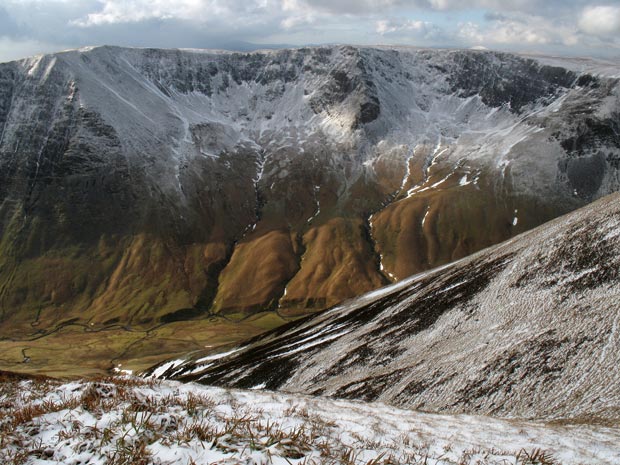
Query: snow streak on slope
x: 526, y: 329
x: 131, y: 421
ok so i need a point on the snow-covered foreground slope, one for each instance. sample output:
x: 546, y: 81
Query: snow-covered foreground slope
x: 130, y: 421
x: 529, y: 328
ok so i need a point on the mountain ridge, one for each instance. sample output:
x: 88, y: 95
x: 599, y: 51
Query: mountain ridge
x: 141, y: 187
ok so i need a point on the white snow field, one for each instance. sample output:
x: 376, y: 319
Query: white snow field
x: 128, y: 420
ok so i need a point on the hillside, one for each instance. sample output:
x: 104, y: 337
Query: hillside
x: 528, y: 329
x: 154, y: 202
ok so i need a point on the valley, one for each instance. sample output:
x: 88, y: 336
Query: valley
x: 198, y: 198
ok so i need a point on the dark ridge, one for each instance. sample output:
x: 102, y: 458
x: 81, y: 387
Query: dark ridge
x: 592, y: 133
x: 370, y: 388
x: 523, y: 82
x: 464, y: 285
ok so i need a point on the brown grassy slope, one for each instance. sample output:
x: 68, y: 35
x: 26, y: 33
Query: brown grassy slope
x: 339, y: 263
x: 133, y: 281
x: 257, y: 272
x: 443, y: 221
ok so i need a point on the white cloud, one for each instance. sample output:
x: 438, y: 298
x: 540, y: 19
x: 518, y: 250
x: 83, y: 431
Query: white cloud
x: 358, y: 7
x: 382, y: 6
x: 405, y: 27
x: 120, y: 11
x: 600, y: 20
x: 519, y: 30
x: 124, y: 11
x: 225, y: 14
x: 36, y: 3
x: 297, y: 13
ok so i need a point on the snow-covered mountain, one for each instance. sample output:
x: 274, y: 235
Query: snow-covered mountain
x: 528, y: 328
x: 140, y: 187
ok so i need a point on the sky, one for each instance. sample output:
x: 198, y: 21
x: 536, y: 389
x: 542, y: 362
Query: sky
x: 560, y: 27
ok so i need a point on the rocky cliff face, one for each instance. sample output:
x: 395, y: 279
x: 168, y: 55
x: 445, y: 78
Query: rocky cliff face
x: 528, y: 328
x: 140, y: 187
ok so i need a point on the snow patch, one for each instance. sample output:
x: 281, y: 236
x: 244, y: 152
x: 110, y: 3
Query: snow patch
x: 160, y: 370
x: 218, y: 356
x: 428, y: 210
